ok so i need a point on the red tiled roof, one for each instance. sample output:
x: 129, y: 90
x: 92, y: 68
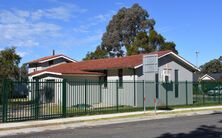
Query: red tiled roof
x: 84, y: 67
x: 46, y: 58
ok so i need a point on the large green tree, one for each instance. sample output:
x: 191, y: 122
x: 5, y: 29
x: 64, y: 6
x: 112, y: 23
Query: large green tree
x: 9, y: 62
x: 23, y: 73
x: 213, y: 66
x: 131, y: 31
x: 99, y: 53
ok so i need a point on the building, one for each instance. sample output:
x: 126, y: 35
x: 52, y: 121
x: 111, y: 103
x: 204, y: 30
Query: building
x: 46, y: 62
x: 155, y: 69
x: 207, y: 77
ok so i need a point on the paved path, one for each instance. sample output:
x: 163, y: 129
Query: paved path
x: 201, y: 126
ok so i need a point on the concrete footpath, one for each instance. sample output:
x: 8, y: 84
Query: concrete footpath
x: 7, y: 129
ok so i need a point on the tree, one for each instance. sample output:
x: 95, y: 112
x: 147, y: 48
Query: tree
x: 99, y: 53
x: 213, y: 66
x: 130, y: 32
x: 169, y: 46
x: 9, y: 62
x: 23, y: 72
x: 123, y: 28
x: 140, y: 44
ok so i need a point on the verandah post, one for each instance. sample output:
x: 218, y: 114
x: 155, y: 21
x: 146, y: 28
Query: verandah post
x: 117, y: 97
x: 64, y: 112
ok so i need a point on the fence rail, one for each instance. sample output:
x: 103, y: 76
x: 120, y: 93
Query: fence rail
x: 33, y: 100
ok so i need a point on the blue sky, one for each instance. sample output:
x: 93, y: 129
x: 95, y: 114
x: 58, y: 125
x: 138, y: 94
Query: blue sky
x: 76, y: 27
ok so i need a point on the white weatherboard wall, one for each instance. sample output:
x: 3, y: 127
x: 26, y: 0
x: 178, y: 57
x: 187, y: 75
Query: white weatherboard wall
x: 82, y: 90
x: 125, y: 94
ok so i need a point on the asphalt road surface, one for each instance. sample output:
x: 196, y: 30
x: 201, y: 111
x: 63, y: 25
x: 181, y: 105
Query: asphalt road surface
x: 203, y: 126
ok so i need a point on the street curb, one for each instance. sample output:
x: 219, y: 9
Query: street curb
x: 63, y: 121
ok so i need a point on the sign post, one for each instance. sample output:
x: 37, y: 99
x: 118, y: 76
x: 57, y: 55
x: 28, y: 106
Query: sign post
x: 155, y: 103
x: 144, y: 103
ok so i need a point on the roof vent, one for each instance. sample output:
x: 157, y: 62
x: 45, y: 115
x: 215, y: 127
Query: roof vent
x: 53, y: 52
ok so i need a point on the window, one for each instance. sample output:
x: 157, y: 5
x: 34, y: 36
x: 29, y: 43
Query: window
x: 157, y: 84
x: 166, y: 75
x: 166, y: 78
x: 120, y: 74
x: 105, y: 79
x: 176, y: 84
x: 51, y: 62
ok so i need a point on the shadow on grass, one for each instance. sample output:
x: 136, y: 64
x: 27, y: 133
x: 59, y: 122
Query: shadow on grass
x: 165, y: 108
x: 203, y: 131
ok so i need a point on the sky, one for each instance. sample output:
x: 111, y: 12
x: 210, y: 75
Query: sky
x: 71, y: 27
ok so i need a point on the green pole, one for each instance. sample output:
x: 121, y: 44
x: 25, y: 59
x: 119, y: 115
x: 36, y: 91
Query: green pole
x: 197, y: 91
x: 64, y: 112
x: 186, y: 93
x: 4, y: 100
x: 214, y: 94
x: 219, y: 93
x: 100, y: 91
x: 85, y: 96
x: 144, y: 108
x: 134, y: 86
x: 117, y: 97
x: 37, y: 99
x: 203, y: 93
x: 166, y: 95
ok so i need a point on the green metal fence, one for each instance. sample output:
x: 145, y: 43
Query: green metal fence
x: 34, y: 100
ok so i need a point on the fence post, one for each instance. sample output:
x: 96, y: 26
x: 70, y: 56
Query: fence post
x: 186, y: 93
x: 117, y: 97
x: 4, y: 101
x: 134, y: 86
x: 85, y: 96
x: 36, y: 99
x: 219, y: 91
x: 214, y: 94
x: 166, y: 95
x: 197, y: 91
x: 144, y: 108
x: 64, y: 98
x: 203, y: 93
x: 100, y: 91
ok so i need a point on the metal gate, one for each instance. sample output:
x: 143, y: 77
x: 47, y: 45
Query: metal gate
x: 31, y: 100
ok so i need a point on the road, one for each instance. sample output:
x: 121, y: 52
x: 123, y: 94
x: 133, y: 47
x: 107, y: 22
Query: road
x: 209, y: 126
